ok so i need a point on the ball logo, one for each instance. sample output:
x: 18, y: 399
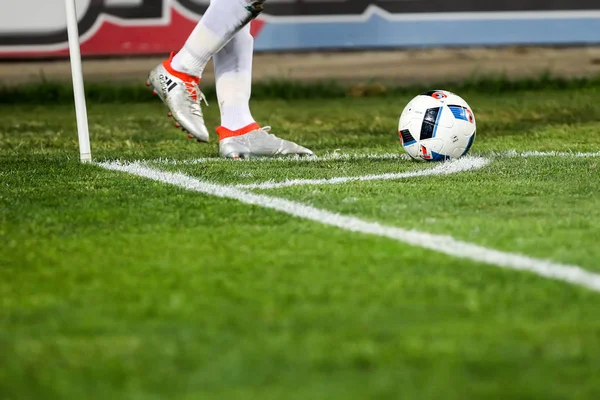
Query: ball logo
x: 424, y: 154
x: 470, y: 116
x: 439, y: 95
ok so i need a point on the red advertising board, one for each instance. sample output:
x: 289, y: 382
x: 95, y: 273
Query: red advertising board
x: 37, y: 28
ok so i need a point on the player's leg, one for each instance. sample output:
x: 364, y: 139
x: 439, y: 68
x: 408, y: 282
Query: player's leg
x: 240, y: 136
x: 233, y: 78
x: 176, y: 79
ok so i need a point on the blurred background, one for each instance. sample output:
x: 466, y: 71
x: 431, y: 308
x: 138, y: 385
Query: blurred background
x: 392, y: 40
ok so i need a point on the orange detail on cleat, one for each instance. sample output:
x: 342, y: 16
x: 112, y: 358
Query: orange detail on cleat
x: 190, y: 81
x: 169, y: 115
x: 177, y: 125
x: 155, y: 93
x: 148, y: 83
x: 225, y: 133
x: 181, y: 75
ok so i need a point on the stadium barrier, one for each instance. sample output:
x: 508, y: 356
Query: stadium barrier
x: 144, y: 27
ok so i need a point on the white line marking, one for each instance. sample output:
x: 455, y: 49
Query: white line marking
x: 439, y: 243
x: 326, y: 157
x: 370, y: 156
x: 514, y: 153
x: 446, y: 168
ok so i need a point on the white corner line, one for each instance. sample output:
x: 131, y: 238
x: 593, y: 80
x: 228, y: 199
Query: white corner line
x: 526, y: 154
x: 326, y: 157
x: 366, y: 156
x: 445, y: 168
x: 438, y: 243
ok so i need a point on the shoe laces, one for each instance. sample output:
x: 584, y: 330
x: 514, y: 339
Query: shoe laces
x: 267, y: 130
x: 195, y: 96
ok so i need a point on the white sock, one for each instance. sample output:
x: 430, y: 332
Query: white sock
x: 233, y: 76
x: 222, y: 20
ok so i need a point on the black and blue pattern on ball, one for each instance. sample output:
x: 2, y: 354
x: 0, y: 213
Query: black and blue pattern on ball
x: 430, y: 123
x: 406, y: 138
x: 459, y: 112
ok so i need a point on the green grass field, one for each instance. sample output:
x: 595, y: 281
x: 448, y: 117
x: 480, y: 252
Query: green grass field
x: 114, y: 286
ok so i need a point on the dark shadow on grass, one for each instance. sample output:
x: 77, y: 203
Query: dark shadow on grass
x: 61, y: 93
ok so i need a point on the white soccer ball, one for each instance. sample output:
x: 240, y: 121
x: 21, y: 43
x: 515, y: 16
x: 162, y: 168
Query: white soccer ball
x: 437, y: 126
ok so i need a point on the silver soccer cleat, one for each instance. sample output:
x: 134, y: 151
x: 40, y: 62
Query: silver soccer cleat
x: 181, y: 94
x: 259, y: 143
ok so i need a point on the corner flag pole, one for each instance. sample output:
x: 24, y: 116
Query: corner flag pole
x: 85, y: 154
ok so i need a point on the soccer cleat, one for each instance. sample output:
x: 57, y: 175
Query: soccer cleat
x: 181, y: 94
x: 254, y: 141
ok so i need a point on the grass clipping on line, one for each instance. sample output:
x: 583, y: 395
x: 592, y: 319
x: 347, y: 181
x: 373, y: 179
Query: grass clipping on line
x: 48, y: 92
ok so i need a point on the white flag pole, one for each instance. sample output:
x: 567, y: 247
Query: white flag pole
x: 85, y: 153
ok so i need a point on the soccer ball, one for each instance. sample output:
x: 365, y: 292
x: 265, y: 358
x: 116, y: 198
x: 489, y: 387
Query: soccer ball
x: 437, y: 126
